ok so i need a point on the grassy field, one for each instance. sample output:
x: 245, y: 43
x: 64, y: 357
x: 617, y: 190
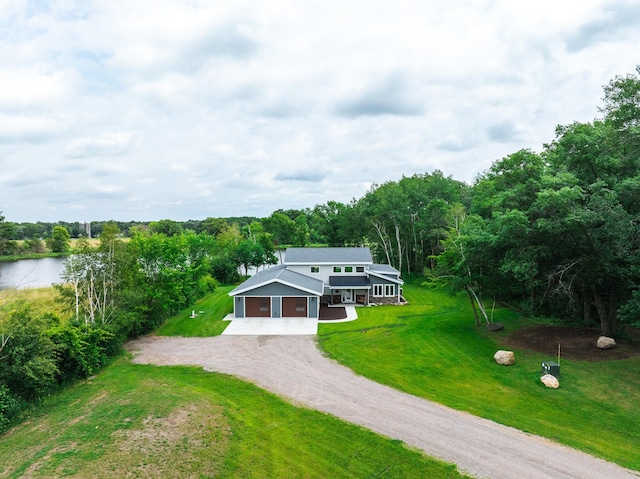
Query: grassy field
x: 40, y: 300
x: 178, y: 422
x: 432, y: 349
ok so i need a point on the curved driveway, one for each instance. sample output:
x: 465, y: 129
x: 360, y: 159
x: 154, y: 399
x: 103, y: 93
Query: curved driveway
x: 294, y: 368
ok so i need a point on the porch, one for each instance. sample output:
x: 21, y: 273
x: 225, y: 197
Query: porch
x: 347, y: 290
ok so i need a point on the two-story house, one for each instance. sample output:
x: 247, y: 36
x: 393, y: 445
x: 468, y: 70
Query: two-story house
x: 311, y: 276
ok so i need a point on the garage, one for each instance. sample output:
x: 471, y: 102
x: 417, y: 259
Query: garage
x: 278, y: 293
x: 258, y: 307
x: 294, y: 307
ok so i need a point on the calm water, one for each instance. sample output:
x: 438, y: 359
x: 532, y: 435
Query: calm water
x: 43, y: 272
x: 30, y: 273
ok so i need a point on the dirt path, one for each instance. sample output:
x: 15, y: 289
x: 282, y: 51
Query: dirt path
x: 293, y: 367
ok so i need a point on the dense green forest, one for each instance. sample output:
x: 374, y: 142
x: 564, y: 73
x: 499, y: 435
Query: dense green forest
x: 553, y: 233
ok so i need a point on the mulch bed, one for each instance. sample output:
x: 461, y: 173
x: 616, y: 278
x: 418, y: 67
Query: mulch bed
x: 328, y: 314
x: 575, y: 343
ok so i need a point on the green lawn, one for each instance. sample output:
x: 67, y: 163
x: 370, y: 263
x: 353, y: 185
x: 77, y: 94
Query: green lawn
x: 208, y: 321
x: 177, y: 422
x: 182, y: 422
x: 431, y: 348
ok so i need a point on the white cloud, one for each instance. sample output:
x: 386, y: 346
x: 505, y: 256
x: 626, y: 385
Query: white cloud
x: 169, y: 109
x: 106, y: 144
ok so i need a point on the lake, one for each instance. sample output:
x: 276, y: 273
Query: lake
x: 30, y: 273
x: 43, y: 272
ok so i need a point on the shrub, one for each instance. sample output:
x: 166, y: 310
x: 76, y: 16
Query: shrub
x: 9, y: 408
x: 29, y: 366
x: 81, y: 350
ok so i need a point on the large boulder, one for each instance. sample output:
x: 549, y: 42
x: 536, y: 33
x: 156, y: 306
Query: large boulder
x: 550, y: 381
x: 605, y: 342
x: 506, y: 358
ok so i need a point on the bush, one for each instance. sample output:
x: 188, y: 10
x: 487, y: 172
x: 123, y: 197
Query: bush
x: 81, y: 350
x: 207, y: 285
x: 9, y: 408
x: 29, y: 361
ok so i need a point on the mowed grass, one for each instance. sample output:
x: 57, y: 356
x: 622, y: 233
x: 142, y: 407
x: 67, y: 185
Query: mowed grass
x: 180, y: 422
x: 209, y: 312
x: 432, y: 349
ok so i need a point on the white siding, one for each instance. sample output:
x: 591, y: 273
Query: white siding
x: 325, y: 271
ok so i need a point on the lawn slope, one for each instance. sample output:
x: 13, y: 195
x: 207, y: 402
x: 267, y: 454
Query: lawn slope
x: 179, y: 422
x: 432, y: 349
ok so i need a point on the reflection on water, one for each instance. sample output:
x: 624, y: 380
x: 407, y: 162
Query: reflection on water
x: 43, y: 272
x: 30, y: 273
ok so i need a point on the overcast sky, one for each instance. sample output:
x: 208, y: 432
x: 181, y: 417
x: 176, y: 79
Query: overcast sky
x: 152, y: 109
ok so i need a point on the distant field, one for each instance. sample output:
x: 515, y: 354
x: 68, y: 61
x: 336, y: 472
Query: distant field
x: 93, y: 242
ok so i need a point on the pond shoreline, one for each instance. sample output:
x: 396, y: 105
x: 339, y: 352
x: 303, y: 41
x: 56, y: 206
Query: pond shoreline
x: 18, y: 257
x: 39, y: 272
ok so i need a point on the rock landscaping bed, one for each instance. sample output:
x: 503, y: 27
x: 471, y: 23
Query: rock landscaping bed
x: 576, y: 343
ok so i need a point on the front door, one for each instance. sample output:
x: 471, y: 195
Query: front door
x: 347, y: 296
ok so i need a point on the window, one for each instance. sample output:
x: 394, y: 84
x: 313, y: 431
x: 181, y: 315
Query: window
x: 359, y: 269
x: 389, y: 290
x: 301, y: 304
x: 348, y: 269
x: 337, y: 269
x: 263, y: 304
x: 377, y: 290
x: 315, y: 269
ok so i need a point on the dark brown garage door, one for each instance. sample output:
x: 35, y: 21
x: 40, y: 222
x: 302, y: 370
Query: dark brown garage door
x: 257, y: 307
x: 294, y: 307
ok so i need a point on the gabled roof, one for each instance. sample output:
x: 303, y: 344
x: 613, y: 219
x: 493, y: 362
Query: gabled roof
x: 280, y: 274
x: 318, y: 256
x: 385, y: 271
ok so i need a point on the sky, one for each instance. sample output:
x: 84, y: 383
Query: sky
x: 141, y: 110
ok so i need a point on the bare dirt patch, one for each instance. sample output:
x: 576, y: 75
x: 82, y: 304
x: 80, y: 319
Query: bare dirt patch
x: 575, y: 343
x: 177, y: 445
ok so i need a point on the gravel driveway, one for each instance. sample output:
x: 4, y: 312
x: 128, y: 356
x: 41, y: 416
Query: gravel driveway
x: 294, y: 368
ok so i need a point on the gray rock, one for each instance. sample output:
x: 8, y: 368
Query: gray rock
x: 605, y: 342
x: 550, y: 381
x: 506, y: 358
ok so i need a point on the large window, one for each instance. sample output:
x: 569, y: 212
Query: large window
x: 389, y: 290
x: 377, y: 289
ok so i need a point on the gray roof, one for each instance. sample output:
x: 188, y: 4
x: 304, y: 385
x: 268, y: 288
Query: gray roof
x: 349, y: 282
x: 383, y: 269
x: 386, y: 272
x: 317, y: 256
x: 280, y: 274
